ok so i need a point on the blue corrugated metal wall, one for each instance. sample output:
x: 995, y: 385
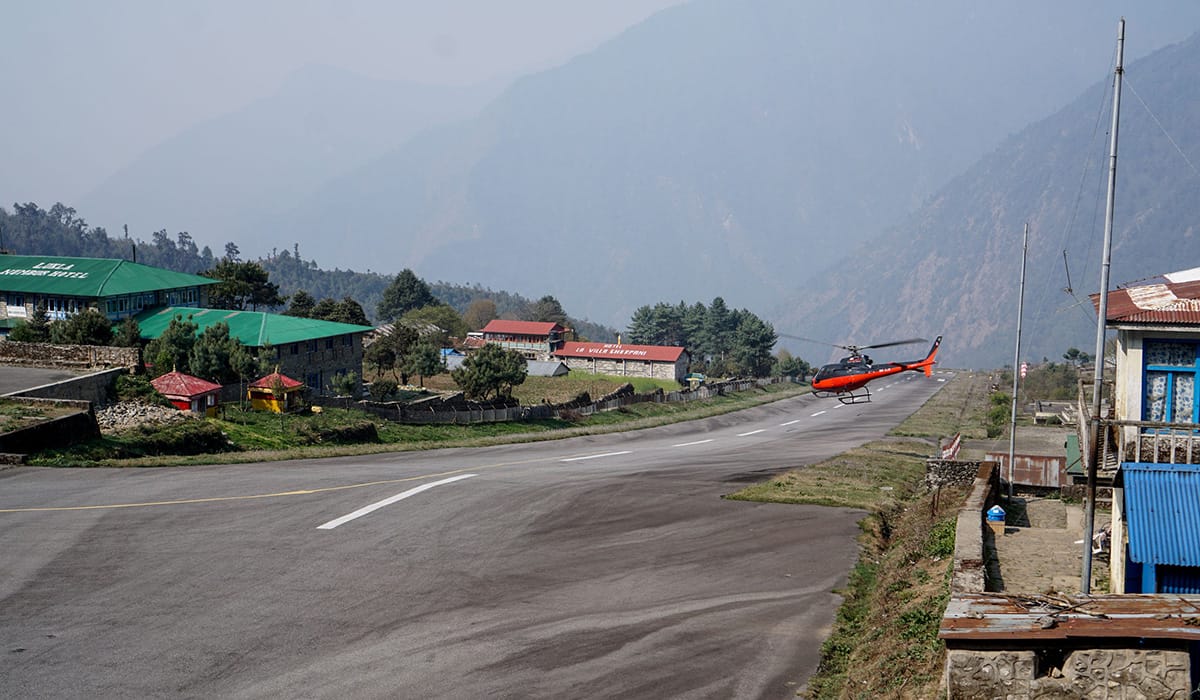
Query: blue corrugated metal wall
x: 1162, y: 505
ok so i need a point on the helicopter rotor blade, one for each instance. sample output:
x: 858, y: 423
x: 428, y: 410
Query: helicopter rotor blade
x: 810, y: 340
x: 894, y: 342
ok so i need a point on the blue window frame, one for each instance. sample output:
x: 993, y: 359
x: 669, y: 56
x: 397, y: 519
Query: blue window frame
x: 1169, y: 381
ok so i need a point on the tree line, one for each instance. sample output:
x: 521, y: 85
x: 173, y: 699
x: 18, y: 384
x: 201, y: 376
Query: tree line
x: 722, y: 341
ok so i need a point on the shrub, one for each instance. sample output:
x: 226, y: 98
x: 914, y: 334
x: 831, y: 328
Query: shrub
x: 383, y: 389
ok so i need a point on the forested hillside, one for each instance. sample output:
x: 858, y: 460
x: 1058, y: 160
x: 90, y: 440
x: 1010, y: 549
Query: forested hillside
x: 953, y: 268
x: 31, y: 230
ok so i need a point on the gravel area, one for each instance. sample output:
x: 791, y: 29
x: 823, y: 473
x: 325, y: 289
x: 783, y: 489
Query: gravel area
x: 123, y: 416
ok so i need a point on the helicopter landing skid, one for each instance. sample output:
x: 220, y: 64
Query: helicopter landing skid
x: 846, y: 397
x: 853, y: 398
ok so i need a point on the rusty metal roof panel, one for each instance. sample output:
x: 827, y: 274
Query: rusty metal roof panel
x: 998, y: 617
x: 1162, y: 502
x: 1176, y: 303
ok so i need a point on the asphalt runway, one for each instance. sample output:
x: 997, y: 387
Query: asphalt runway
x: 598, y: 567
x: 16, y: 377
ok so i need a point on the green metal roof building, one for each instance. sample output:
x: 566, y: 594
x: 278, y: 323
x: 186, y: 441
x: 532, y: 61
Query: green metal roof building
x: 308, y: 349
x: 64, y: 285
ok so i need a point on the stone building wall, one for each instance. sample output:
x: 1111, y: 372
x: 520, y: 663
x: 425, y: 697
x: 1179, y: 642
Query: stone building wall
x: 673, y: 371
x: 317, y: 366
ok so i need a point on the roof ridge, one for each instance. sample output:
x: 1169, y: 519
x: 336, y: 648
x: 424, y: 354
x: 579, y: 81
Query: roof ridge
x: 107, y: 277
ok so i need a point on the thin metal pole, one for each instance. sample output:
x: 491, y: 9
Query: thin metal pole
x: 1089, y: 516
x: 1012, y: 431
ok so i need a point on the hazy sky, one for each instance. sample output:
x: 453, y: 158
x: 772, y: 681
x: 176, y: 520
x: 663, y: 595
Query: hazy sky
x: 90, y: 85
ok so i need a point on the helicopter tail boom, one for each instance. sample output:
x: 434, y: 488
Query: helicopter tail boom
x: 926, y: 365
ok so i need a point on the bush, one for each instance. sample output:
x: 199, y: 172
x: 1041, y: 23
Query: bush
x: 382, y: 389
x: 189, y: 437
x: 137, y: 387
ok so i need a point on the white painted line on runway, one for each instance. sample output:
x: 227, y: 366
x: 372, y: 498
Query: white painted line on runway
x: 689, y: 444
x: 752, y: 432
x: 791, y: 422
x: 816, y: 414
x: 388, y: 501
x: 839, y: 405
x: 605, y: 454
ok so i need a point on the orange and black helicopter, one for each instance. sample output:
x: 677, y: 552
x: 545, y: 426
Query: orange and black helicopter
x: 844, y: 379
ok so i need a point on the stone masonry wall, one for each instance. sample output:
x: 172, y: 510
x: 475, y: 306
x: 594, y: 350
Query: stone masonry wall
x: 1096, y: 674
x: 67, y: 356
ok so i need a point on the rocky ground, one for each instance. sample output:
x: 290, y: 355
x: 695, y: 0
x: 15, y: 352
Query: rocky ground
x: 123, y: 416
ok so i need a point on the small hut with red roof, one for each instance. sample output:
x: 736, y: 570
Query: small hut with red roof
x: 275, y: 392
x: 188, y: 393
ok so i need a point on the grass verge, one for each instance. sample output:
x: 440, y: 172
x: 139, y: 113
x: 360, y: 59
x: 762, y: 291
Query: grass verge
x: 884, y: 642
x: 260, y: 437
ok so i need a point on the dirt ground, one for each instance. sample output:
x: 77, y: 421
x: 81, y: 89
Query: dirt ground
x: 1041, y: 550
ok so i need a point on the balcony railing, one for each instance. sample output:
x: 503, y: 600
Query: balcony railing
x: 1153, y: 442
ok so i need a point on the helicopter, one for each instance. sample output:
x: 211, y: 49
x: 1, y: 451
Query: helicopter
x: 844, y: 379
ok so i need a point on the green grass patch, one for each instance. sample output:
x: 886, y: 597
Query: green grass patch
x: 259, y: 436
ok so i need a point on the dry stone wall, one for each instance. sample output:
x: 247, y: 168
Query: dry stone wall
x: 66, y: 356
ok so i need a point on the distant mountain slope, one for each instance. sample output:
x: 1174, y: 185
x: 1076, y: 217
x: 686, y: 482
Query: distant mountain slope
x: 721, y: 147
x: 953, y: 268
x: 230, y: 177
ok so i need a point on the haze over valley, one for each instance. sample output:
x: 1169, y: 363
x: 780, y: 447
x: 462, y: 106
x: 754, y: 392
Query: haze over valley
x: 849, y: 174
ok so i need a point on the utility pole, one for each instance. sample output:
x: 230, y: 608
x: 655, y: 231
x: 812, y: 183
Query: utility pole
x: 1012, y: 428
x: 1094, y: 449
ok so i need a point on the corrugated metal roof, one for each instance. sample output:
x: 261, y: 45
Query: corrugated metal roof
x: 252, y: 328
x: 88, y: 277
x: 175, y: 383
x: 1166, y: 301
x: 614, y: 351
x: 522, y: 327
x: 1011, y: 618
x: 1162, y: 503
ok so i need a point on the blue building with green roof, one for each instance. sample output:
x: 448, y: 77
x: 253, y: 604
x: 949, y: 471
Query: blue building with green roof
x: 65, y: 285
x: 307, y: 349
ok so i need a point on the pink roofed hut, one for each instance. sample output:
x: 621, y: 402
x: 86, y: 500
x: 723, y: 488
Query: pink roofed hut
x: 188, y: 393
x: 275, y: 392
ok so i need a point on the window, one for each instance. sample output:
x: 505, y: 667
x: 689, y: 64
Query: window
x: 329, y: 343
x: 347, y: 341
x: 1169, y: 386
x: 295, y: 348
x: 312, y: 345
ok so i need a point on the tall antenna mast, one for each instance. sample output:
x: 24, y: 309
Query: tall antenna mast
x: 1089, y: 516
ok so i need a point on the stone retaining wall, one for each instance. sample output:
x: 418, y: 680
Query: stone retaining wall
x: 55, y: 432
x: 67, y: 356
x: 95, y: 388
x: 1096, y: 674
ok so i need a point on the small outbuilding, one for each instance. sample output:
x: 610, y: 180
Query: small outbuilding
x: 275, y: 392
x: 188, y: 393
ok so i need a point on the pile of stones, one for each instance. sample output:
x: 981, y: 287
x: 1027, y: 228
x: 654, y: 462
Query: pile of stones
x: 125, y: 415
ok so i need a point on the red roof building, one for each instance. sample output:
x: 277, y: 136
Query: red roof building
x: 535, y: 340
x: 655, y: 361
x: 188, y: 393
